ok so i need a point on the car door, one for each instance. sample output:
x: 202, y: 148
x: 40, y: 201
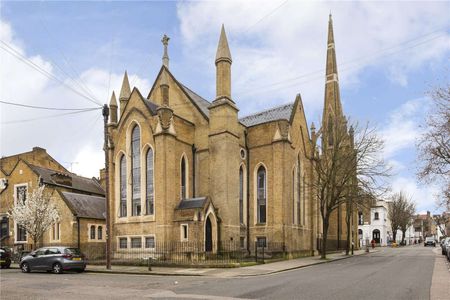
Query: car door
x: 50, y: 257
x: 37, y: 258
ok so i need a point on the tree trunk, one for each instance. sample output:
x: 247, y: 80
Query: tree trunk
x: 403, y: 236
x: 323, y: 253
x: 394, y: 235
x: 348, y: 219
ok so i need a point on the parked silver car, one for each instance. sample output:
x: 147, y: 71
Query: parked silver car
x: 56, y: 259
x: 444, y: 243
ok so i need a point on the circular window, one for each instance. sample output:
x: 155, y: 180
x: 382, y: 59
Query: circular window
x: 242, y: 153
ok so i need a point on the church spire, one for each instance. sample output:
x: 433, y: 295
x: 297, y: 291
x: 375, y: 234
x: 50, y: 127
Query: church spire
x: 165, y: 58
x: 332, y: 103
x: 223, y: 67
x: 125, y: 92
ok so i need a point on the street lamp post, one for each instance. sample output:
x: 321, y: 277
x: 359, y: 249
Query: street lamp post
x: 105, y: 113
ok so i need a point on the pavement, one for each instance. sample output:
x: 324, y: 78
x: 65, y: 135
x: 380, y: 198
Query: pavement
x: 255, y: 270
x: 440, y: 283
x: 413, y: 272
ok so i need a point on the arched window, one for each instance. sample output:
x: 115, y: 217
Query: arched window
x: 183, y: 178
x: 149, y: 199
x: 92, y: 232
x: 241, y: 195
x: 123, y: 186
x: 100, y: 232
x: 136, y: 171
x: 377, y: 216
x: 261, y: 195
x: 299, y: 187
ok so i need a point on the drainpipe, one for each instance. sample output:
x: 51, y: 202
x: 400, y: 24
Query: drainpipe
x: 78, y: 233
x: 248, y: 190
x: 194, y: 152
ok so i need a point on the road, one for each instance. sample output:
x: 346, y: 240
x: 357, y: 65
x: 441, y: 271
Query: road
x: 403, y: 273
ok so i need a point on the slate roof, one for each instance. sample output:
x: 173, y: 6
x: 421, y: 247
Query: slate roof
x: 78, y: 183
x: 190, y: 203
x: 86, y: 206
x: 151, y: 106
x: 199, y: 101
x: 277, y: 113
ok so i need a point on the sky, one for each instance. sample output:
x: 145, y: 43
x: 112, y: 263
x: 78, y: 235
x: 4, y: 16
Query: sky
x: 74, y: 54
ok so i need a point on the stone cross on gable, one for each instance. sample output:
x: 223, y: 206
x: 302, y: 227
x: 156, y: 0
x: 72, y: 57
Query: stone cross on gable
x: 165, y: 59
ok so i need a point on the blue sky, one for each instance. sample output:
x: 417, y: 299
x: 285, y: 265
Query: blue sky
x: 389, y: 54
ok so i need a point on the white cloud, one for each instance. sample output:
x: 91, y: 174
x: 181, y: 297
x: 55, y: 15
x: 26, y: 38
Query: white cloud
x: 292, y: 41
x: 423, y: 196
x: 75, y: 140
x: 403, y: 129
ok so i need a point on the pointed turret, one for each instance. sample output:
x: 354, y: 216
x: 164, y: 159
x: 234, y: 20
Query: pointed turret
x: 223, y: 67
x: 165, y: 58
x: 113, y: 108
x: 125, y: 92
x: 332, y: 110
x: 223, y: 50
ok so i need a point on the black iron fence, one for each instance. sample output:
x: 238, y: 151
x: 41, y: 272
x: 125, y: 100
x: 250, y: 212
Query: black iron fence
x: 192, y: 254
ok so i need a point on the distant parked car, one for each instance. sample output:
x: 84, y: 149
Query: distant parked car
x: 444, y: 243
x: 5, y: 258
x: 429, y: 241
x: 55, y: 259
x: 447, y: 246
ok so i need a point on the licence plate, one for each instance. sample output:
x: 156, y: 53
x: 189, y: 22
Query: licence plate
x: 76, y: 258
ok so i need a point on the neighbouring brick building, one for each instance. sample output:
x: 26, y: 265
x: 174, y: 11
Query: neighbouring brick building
x: 80, y: 201
x: 185, y: 169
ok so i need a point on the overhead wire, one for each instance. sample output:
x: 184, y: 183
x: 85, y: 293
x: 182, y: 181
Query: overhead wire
x: 315, y: 75
x: 49, y: 117
x: 80, y: 81
x: 7, y: 48
x: 43, y: 107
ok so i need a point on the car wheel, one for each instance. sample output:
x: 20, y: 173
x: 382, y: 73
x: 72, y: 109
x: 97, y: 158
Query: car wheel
x: 25, y: 268
x: 57, y: 268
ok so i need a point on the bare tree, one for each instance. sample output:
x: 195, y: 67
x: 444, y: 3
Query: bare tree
x: 344, y: 169
x: 400, y: 213
x: 36, y: 214
x: 442, y: 221
x: 434, y: 145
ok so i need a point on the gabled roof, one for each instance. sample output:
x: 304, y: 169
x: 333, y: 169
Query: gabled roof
x: 78, y: 183
x: 191, y: 203
x: 199, y: 102
x: 282, y: 112
x: 85, y: 206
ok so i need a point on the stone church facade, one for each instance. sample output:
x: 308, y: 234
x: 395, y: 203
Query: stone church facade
x: 186, y: 169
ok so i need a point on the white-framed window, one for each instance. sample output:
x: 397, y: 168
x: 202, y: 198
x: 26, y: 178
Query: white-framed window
x: 150, y: 242
x: 123, y: 242
x: 20, y: 194
x: 100, y: 232
x: 184, y: 232
x: 95, y: 232
x: 136, y: 242
x: 55, y: 232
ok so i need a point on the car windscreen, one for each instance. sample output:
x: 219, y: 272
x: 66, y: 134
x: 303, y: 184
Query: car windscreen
x: 73, y: 251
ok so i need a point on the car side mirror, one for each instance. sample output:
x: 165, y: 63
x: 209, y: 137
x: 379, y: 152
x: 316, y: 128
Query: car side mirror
x: 33, y: 254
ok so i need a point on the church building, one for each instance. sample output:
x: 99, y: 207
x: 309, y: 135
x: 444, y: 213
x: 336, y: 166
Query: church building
x: 187, y: 169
